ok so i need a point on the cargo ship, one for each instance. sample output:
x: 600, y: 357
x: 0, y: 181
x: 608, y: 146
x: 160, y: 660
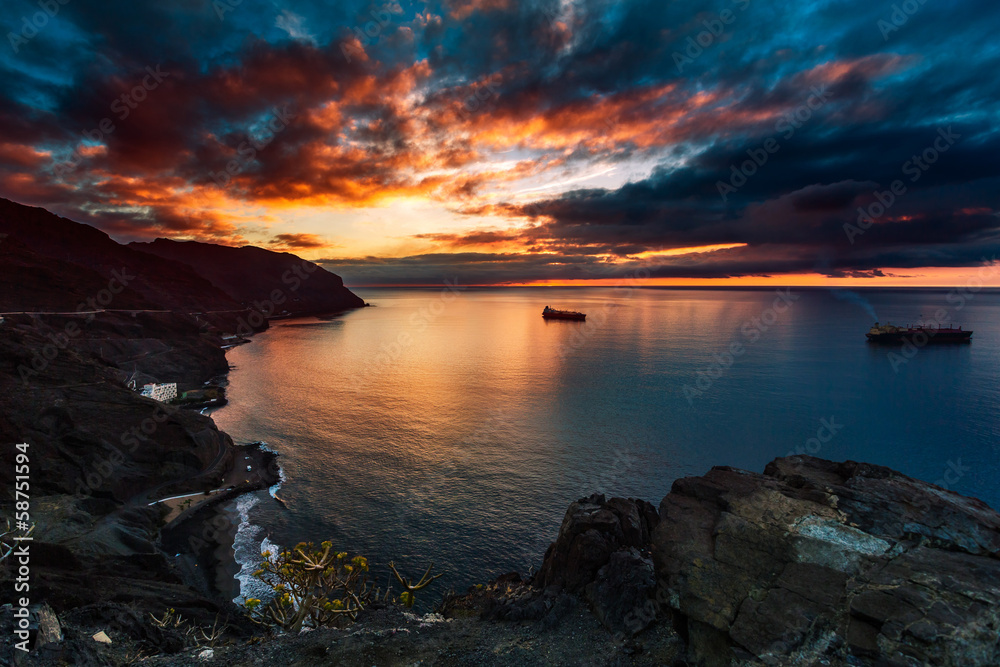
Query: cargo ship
x: 917, y: 335
x: 553, y: 314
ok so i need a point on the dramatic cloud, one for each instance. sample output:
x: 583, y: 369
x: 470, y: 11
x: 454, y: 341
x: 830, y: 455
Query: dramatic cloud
x: 297, y: 242
x: 500, y: 141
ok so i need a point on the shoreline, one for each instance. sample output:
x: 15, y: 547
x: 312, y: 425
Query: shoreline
x: 203, y: 537
x: 200, y: 541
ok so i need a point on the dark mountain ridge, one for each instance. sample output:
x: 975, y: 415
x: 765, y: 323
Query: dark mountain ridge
x: 52, y: 263
x: 51, y: 250
x: 252, y: 275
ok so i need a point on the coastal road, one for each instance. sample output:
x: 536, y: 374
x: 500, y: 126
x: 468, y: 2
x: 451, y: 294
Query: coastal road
x: 116, y: 310
x: 81, y: 312
x: 153, y: 495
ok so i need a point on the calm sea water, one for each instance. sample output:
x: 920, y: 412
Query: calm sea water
x: 456, y: 427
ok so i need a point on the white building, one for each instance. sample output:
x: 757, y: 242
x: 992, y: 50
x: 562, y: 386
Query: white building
x: 160, y: 392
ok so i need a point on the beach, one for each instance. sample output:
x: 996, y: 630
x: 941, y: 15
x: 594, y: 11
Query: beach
x: 202, y: 536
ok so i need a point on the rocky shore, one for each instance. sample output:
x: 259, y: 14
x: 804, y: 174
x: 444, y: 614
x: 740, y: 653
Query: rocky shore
x: 811, y: 562
x: 201, y: 536
x: 100, y: 453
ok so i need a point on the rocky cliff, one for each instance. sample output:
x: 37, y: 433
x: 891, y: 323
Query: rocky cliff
x: 815, y: 562
x: 51, y: 263
x: 254, y: 276
x: 810, y: 563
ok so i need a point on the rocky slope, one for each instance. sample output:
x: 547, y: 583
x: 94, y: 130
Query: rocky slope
x: 99, y: 452
x: 278, y: 280
x: 816, y: 562
x: 810, y: 563
x: 30, y: 281
x: 51, y: 263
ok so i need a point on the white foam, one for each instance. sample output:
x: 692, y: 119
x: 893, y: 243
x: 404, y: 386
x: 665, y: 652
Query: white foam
x: 248, y: 545
x: 247, y: 548
x: 281, y: 480
x: 264, y: 447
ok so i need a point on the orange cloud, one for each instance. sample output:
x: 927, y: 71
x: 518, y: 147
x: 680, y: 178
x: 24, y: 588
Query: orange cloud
x: 23, y: 155
x: 298, y: 242
x: 462, y: 9
x: 364, y: 135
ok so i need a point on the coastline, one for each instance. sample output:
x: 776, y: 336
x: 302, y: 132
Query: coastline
x: 203, y: 536
x: 196, y: 532
x: 201, y: 540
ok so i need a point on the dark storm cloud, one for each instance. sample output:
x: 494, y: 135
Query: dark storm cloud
x: 376, y: 96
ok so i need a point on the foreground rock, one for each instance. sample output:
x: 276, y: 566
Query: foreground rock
x: 602, y: 553
x: 593, y: 529
x: 815, y: 562
x: 810, y: 563
x: 387, y: 637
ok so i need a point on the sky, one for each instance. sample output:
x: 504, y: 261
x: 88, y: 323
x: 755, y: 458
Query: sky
x: 720, y: 142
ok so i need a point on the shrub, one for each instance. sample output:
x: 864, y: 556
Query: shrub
x: 317, y: 587
x: 194, y: 637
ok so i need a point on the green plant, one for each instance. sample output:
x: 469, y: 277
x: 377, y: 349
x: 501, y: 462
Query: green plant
x: 317, y: 587
x: 406, y: 597
x: 194, y: 637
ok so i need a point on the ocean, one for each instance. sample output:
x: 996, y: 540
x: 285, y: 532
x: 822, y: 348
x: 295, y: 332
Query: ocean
x: 455, y: 426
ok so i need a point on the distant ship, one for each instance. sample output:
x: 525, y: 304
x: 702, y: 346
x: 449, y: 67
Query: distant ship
x: 918, y: 335
x: 553, y: 314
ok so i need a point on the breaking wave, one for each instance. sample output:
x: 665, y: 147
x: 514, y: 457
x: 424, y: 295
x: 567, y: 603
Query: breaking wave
x: 247, y: 547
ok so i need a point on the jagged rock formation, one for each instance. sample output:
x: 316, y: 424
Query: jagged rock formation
x: 815, y: 562
x: 602, y: 552
x: 593, y: 529
x: 621, y: 590
x: 811, y: 562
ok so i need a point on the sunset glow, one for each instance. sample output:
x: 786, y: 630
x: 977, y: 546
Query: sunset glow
x: 484, y: 140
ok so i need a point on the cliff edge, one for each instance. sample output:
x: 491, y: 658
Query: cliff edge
x: 811, y: 562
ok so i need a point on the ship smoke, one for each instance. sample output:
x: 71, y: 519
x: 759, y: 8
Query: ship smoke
x: 855, y: 298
